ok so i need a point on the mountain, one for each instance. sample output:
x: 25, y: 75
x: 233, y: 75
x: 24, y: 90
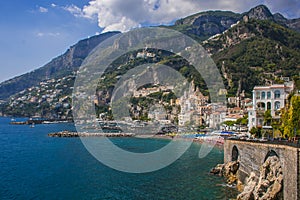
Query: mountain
x: 255, y: 52
x: 59, y: 67
x: 260, y: 12
x: 206, y: 24
x: 252, y: 48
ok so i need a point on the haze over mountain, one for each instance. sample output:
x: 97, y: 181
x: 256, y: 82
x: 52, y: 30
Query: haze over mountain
x: 249, y: 48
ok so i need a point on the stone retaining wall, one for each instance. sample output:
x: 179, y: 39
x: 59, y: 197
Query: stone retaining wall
x: 251, y: 155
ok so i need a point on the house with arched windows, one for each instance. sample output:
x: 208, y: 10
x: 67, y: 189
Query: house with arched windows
x: 265, y: 98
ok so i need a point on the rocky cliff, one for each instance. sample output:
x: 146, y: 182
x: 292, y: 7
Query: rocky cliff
x: 260, y: 12
x: 59, y: 67
x: 206, y: 24
x: 255, y: 52
x: 268, y: 186
x: 228, y: 170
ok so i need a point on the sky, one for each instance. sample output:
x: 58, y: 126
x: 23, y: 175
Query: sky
x: 33, y: 32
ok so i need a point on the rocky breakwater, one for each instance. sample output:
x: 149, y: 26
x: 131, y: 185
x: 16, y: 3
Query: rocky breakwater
x: 76, y: 134
x: 268, y: 186
x: 228, y: 170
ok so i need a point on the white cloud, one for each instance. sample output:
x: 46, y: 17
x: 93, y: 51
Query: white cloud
x: 76, y: 11
x: 49, y: 34
x: 53, y: 5
x: 124, y: 15
x: 42, y: 9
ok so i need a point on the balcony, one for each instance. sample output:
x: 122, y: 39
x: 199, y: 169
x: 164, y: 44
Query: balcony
x: 260, y: 113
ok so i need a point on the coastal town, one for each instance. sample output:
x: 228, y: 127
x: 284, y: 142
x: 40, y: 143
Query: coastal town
x: 50, y: 100
x: 157, y: 100
x: 192, y: 112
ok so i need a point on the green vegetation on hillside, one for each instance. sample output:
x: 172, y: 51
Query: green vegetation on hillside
x: 251, y: 53
x: 270, y: 51
x: 129, y: 61
x: 291, y: 117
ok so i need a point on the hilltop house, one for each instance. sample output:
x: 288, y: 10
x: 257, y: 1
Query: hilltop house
x: 265, y: 98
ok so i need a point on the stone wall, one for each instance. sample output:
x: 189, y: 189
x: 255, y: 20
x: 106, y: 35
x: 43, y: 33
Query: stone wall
x: 251, y: 155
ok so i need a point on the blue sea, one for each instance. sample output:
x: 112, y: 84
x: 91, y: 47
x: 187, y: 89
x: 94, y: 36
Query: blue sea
x: 35, y: 166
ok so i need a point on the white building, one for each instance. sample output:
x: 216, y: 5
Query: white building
x: 157, y: 113
x: 216, y: 119
x: 265, y: 98
x: 192, y: 105
x: 217, y: 115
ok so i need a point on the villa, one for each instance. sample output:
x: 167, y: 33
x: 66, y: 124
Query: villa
x: 265, y: 98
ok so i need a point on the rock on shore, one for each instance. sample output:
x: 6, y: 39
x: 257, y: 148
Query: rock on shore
x: 228, y: 170
x: 269, y: 184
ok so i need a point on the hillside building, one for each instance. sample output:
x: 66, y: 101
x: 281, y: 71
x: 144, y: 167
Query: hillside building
x: 265, y: 98
x: 193, y: 107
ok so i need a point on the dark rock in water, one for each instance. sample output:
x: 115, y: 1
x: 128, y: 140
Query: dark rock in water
x: 64, y: 134
x: 217, y: 170
x: 228, y: 170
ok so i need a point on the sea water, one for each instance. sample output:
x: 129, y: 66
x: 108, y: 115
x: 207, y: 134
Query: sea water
x: 35, y: 166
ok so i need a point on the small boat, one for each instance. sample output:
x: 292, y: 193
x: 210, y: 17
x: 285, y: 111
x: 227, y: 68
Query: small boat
x: 32, y: 125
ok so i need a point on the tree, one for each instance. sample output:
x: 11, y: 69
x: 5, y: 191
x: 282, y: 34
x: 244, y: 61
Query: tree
x: 256, y: 132
x: 242, y: 121
x: 229, y: 123
x: 267, y: 118
x: 291, y: 117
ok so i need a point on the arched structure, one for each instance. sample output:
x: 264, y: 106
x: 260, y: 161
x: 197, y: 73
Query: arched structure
x: 234, y: 154
x: 252, y: 155
x: 270, y: 153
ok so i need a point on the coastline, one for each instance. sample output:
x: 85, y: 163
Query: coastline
x: 76, y: 134
x: 71, y: 167
x: 69, y: 134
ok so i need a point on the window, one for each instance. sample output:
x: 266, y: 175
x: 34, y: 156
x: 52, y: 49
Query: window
x: 257, y: 95
x: 268, y: 95
x: 277, y: 105
x: 269, y: 106
x: 263, y: 95
x: 261, y: 106
x: 277, y: 94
